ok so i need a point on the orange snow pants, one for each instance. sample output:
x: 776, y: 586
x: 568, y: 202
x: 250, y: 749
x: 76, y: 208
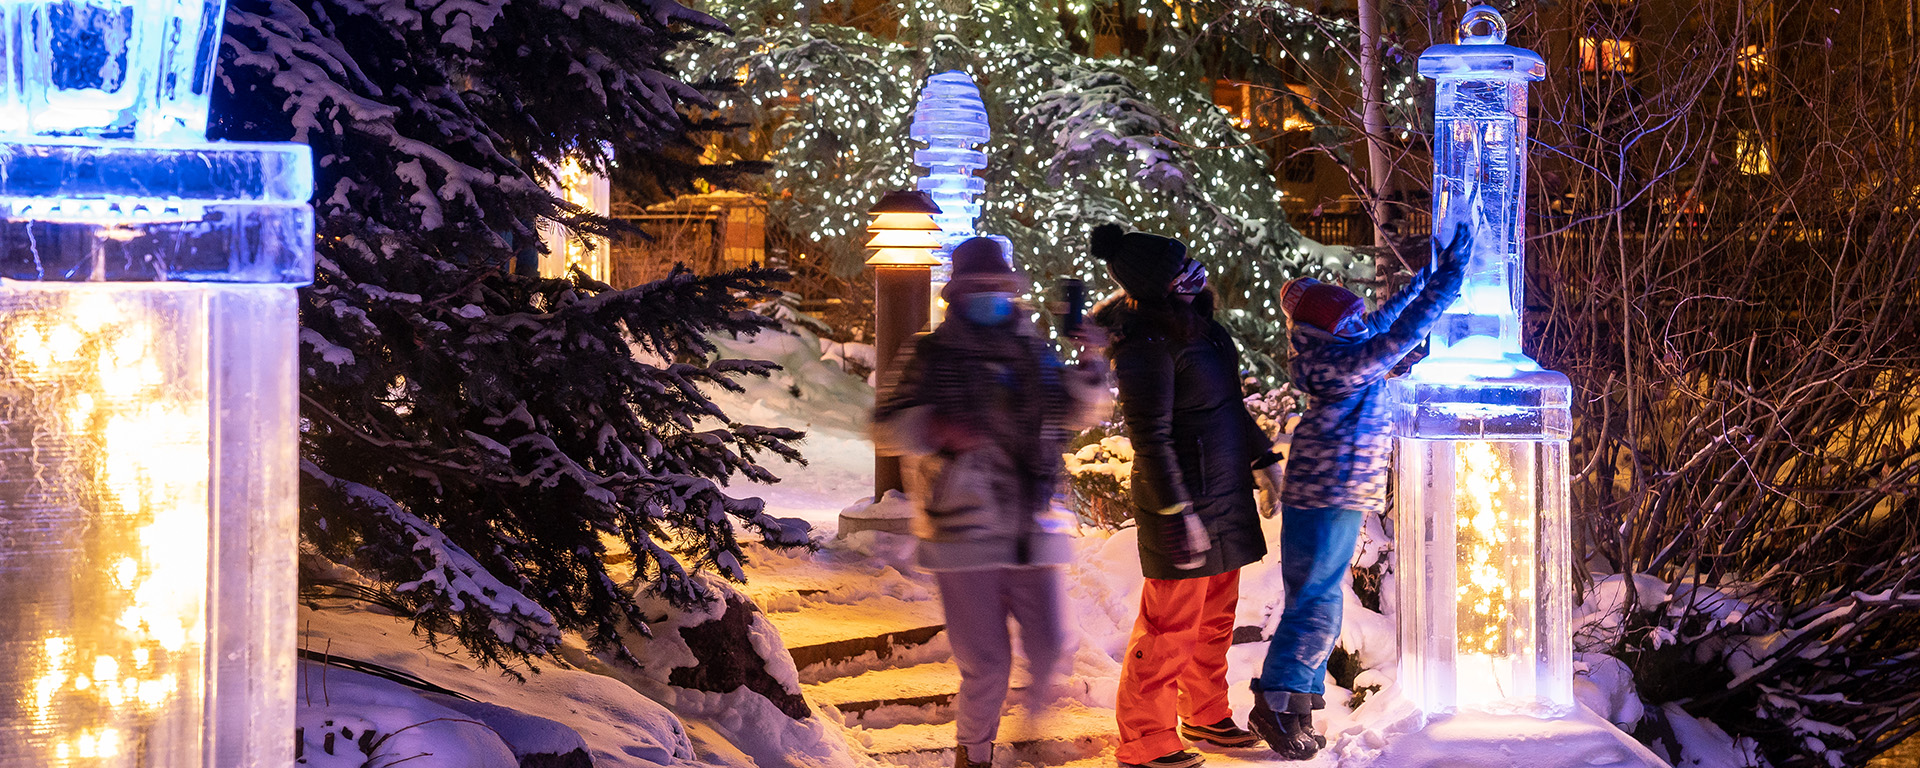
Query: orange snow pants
x: 1176, y: 665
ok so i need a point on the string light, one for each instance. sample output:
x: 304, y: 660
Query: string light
x: 1078, y: 140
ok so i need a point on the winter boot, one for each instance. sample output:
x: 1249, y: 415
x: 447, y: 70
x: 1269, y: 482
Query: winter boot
x: 960, y: 759
x: 1181, y: 759
x: 1220, y: 734
x: 1287, y: 730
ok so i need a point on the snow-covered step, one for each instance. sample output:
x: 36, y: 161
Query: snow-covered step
x: 1072, y: 732
x: 922, y: 693
x: 823, y: 632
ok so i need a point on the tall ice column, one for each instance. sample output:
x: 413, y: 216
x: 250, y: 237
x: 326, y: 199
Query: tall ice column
x: 1482, y: 536
x: 148, y: 443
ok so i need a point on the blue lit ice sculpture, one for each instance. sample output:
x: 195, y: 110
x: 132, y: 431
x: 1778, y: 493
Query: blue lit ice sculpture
x: 952, y: 120
x: 1484, y: 554
x: 148, y: 373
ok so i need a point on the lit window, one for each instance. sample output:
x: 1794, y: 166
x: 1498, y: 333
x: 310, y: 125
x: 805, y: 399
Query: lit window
x: 1751, y: 154
x: 1753, y: 71
x: 1295, y: 119
x: 1605, y: 54
x: 1235, y: 98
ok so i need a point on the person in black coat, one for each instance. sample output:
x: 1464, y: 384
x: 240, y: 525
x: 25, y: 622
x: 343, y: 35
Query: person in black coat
x: 1195, y: 448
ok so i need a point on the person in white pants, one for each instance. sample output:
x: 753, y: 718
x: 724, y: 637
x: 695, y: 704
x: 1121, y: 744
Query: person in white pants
x: 981, y: 409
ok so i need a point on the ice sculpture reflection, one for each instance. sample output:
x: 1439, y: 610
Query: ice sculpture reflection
x: 147, y: 384
x: 1484, y: 559
x: 952, y: 120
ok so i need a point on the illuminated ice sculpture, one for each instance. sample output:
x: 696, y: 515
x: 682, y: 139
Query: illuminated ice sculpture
x: 147, y: 398
x: 952, y: 120
x: 1482, y: 534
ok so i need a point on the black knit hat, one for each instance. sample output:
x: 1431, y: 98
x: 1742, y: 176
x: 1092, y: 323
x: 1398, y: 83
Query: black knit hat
x: 1143, y: 264
x: 980, y: 264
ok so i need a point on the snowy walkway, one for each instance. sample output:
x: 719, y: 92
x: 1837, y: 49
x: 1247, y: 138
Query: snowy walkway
x: 865, y: 629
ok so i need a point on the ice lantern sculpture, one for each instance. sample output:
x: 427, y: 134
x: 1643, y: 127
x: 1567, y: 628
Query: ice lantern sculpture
x: 147, y: 412
x: 952, y: 120
x: 1484, y: 561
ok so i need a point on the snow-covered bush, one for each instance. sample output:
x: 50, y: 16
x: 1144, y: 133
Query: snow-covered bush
x: 475, y: 436
x: 1099, y: 467
x: 1277, y: 410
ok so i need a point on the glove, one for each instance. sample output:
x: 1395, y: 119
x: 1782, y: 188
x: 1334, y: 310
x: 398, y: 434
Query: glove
x: 1457, y: 250
x: 1184, y: 537
x: 1267, y: 482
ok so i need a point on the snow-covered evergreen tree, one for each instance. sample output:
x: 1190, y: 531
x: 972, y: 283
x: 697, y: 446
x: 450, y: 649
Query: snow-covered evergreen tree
x: 477, y: 438
x: 1078, y: 141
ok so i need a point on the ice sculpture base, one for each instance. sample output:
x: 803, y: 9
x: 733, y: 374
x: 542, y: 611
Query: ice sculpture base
x: 1523, y: 405
x: 79, y: 211
x: 1580, y: 739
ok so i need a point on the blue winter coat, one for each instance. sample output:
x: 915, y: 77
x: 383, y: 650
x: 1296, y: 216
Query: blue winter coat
x: 1342, y: 450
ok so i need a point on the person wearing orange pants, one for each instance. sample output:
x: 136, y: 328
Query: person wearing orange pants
x: 1176, y: 664
x: 1195, y: 448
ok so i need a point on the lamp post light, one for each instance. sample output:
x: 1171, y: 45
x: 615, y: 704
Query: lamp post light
x: 1484, y: 558
x: 147, y: 399
x: 905, y: 237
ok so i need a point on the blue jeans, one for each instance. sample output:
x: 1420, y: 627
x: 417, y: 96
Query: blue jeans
x: 1316, y: 549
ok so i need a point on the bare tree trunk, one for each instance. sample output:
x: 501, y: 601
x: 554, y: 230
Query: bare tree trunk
x: 1373, y: 118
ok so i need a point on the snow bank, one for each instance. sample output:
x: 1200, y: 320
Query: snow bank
x: 723, y: 665
x: 893, y: 506
x: 349, y: 720
x: 619, y: 727
x: 817, y: 396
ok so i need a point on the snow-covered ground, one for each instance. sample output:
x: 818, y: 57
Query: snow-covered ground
x: 1104, y: 587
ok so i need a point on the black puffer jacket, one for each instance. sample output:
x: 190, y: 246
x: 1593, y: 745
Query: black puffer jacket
x: 1193, y: 440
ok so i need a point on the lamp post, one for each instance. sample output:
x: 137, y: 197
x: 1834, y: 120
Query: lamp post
x: 904, y: 238
x: 147, y: 399
x: 1484, y: 557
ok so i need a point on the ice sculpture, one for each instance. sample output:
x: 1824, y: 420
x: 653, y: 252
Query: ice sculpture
x: 147, y: 398
x: 1483, y: 539
x: 952, y: 121
x: 566, y: 251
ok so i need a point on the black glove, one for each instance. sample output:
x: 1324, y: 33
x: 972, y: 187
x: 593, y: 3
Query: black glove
x: 1184, y: 537
x: 1456, y: 252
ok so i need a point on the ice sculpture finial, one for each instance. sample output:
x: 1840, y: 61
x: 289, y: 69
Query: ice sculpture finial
x: 1496, y: 23
x: 952, y: 120
x: 110, y: 68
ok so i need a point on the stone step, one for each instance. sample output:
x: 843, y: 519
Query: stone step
x: 825, y: 633
x: 921, y: 693
x: 1072, y: 732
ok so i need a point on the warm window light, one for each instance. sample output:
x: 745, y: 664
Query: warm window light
x: 1295, y: 118
x: 904, y: 231
x: 566, y: 251
x: 1753, y: 72
x: 1604, y: 54
x: 1750, y: 152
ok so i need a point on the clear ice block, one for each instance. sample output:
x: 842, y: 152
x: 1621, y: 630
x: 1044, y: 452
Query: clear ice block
x: 1482, y: 535
x: 109, y: 68
x: 148, y: 376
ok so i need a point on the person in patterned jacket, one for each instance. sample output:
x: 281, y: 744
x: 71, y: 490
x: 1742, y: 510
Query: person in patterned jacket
x: 1336, y: 473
